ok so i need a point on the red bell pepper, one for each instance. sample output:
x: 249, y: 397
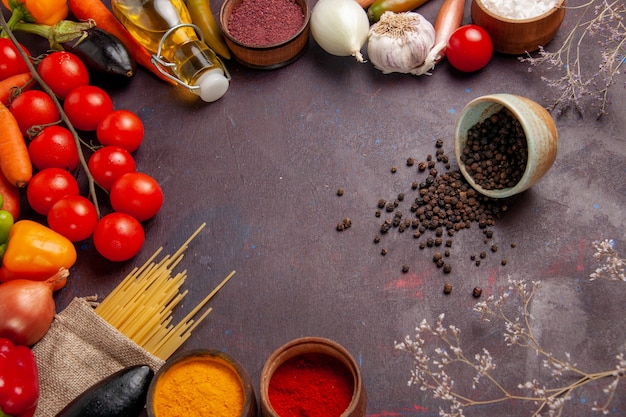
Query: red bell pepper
x: 19, y: 380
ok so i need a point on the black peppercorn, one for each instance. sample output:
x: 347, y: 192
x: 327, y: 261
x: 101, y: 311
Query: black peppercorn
x: 477, y: 292
x: 447, y: 288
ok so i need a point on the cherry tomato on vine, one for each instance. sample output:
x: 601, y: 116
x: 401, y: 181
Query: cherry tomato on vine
x: 74, y: 217
x: 11, y: 62
x: 121, y: 128
x: 137, y: 194
x: 54, y: 147
x: 86, y: 106
x: 109, y: 163
x: 48, y: 186
x: 63, y: 71
x: 34, y: 108
x: 118, y: 236
x: 469, y: 48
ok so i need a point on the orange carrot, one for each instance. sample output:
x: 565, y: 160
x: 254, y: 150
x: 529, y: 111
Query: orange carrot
x: 11, y: 197
x: 365, y: 3
x: 106, y: 20
x: 14, y: 159
x: 12, y: 85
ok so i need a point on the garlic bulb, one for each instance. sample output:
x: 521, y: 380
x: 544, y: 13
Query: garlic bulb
x: 401, y: 42
x: 340, y: 27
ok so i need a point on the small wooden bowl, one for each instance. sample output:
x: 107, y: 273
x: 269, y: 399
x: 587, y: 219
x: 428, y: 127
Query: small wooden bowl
x: 518, y: 36
x: 269, y: 56
x: 313, y: 345
x: 217, y: 365
x: 539, y: 129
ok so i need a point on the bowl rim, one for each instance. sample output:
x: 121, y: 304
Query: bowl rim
x: 249, y: 397
x: 560, y: 4
x: 304, y: 4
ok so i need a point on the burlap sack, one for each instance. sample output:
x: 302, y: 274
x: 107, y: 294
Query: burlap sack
x: 79, y: 350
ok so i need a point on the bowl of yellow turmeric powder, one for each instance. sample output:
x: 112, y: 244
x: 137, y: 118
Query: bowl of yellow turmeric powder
x: 200, y: 381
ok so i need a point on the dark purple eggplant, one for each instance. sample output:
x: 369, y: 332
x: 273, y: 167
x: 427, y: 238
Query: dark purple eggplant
x: 103, y: 53
x: 122, y: 394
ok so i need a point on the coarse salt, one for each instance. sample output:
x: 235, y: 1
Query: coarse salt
x: 519, y: 9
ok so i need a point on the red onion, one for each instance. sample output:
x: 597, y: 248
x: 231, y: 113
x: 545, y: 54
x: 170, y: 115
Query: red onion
x: 27, y: 308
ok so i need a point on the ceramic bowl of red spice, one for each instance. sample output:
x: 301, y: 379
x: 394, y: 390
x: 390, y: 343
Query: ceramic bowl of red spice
x: 312, y: 376
x: 265, y: 34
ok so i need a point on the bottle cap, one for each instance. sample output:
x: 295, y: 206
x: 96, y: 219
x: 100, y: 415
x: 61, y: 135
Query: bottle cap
x: 213, y: 85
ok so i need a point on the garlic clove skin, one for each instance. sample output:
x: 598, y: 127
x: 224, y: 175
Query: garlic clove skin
x: 400, y: 42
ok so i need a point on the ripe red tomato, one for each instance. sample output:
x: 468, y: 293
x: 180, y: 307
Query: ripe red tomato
x: 137, y: 194
x: 118, y: 236
x: 11, y: 62
x: 63, y: 71
x: 469, y: 48
x: 74, y: 217
x: 48, y: 186
x: 54, y: 147
x: 109, y: 163
x: 86, y: 106
x: 34, y: 108
x: 121, y: 128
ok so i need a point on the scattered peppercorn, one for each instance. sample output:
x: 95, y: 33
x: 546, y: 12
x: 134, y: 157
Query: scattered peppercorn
x: 447, y: 268
x: 503, y: 262
x: 405, y: 268
x: 410, y: 162
x: 447, y: 288
x: 477, y: 292
x: 339, y: 192
x: 394, y: 170
x: 383, y: 252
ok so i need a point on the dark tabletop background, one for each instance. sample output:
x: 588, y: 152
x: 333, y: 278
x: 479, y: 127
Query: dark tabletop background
x: 262, y: 166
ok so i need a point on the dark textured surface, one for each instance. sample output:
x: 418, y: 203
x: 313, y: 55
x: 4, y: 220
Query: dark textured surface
x: 262, y: 166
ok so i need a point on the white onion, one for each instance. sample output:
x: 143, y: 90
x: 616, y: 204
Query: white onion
x: 340, y: 27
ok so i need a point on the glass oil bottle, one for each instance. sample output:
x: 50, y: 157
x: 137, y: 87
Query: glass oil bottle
x: 164, y: 28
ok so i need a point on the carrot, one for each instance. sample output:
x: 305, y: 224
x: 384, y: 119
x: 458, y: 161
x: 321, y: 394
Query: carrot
x: 11, y: 197
x: 365, y: 3
x: 14, y: 159
x: 106, y: 20
x: 9, y: 87
x: 448, y: 20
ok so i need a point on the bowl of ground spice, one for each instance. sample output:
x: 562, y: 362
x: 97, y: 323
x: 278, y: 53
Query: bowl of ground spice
x: 312, y: 377
x: 504, y: 144
x: 200, y: 383
x: 265, y: 34
x: 519, y: 26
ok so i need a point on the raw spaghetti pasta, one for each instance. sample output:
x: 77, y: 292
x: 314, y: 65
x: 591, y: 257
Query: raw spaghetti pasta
x: 141, y: 306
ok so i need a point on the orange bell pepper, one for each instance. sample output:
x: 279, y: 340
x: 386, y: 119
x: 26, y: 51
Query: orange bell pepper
x: 36, y: 252
x: 45, y: 12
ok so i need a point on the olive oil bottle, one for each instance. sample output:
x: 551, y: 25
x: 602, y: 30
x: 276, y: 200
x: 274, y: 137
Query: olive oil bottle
x: 164, y: 28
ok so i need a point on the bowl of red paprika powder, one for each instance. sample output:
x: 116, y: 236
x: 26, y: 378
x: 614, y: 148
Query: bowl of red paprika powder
x: 265, y: 34
x: 312, y: 376
x: 201, y: 381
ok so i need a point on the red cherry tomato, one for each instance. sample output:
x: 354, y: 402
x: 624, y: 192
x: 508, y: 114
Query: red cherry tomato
x: 469, y: 48
x: 63, y: 71
x: 48, y: 186
x: 137, y: 194
x: 34, y: 108
x: 109, y: 163
x: 121, y: 128
x: 118, y: 236
x: 54, y: 147
x: 11, y: 62
x: 74, y: 217
x: 86, y: 106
